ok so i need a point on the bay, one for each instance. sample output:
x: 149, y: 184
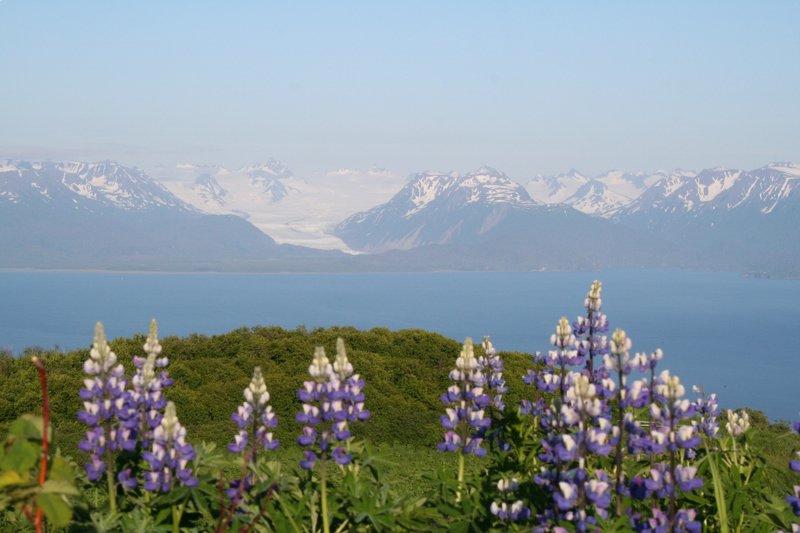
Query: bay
x: 732, y: 335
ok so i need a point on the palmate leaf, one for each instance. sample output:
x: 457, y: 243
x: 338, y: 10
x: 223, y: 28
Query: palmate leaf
x: 27, y: 427
x: 61, y: 469
x: 59, y: 486
x: 21, y: 456
x: 56, y: 509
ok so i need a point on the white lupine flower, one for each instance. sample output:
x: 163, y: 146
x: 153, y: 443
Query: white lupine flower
x: 738, y: 423
x: 640, y: 361
x: 101, y: 358
x: 341, y: 365
x: 256, y: 392
x: 593, y: 300
x: 320, y: 367
x: 505, y: 485
x: 656, y: 356
x: 569, y: 415
x: 567, y: 489
x: 669, y: 386
x: 152, y: 346
x: 620, y: 343
x: 466, y: 361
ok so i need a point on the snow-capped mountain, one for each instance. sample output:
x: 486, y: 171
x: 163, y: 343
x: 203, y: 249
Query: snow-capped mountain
x: 80, y: 185
x: 79, y: 215
x: 291, y: 209
x: 762, y: 190
x: 484, y: 220
x: 218, y: 189
x: 555, y: 189
x: 438, y: 208
x: 595, y: 196
x: 726, y: 218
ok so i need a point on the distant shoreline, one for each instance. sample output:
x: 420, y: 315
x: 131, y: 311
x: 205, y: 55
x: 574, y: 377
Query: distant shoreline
x: 749, y: 275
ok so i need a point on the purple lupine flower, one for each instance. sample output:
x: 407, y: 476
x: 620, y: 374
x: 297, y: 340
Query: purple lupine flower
x: 491, y: 366
x: 255, y: 419
x: 126, y: 479
x: 107, y: 409
x: 332, y: 399
x: 659, y: 522
x: 350, y: 391
x: 590, y: 330
x: 465, y: 420
x: 505, y: 509
x: 794, y: 465
x: 794, y: 500
x: 148, y: 383
x: 168, y: 459
x: 668, y: 434
x: 576, y: 424
x: 708, y: 409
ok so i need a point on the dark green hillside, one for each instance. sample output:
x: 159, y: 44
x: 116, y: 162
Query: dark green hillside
x: 405, y: 371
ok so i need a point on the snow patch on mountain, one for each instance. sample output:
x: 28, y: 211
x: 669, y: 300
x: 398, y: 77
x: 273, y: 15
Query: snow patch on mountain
x: 84, y: 185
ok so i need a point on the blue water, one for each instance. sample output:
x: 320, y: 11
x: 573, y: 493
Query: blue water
x: 737, y: 336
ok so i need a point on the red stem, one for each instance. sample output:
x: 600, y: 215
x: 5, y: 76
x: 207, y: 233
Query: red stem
x: 39, y: 518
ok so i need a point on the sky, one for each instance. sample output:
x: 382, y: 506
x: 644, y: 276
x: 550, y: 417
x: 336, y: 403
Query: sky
x: 527, y: 87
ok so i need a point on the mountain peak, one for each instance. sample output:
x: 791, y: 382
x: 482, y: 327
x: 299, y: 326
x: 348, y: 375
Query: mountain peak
x: 269, y: 168
x: 84, y: 185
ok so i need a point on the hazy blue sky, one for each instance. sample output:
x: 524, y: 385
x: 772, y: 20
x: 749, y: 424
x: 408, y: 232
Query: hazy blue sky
x: 527, y: 87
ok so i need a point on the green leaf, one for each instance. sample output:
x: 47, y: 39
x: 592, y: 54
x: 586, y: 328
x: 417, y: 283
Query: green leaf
x: 61, y: 469
x: 719, y: 494
x: 28, y: 427
x: 21, y: 456
x: 56, y: 508
x: 10, y: 477
x: 59, y: 486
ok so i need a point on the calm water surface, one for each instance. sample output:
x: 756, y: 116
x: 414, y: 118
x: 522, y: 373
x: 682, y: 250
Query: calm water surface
x: 739, y: 337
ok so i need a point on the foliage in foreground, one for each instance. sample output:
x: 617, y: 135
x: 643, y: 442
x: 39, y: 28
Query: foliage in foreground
x: 586, y: 447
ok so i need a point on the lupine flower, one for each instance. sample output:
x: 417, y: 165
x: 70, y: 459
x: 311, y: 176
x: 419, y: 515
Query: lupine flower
x: 169, y: 457
x: 658, y: 522
x: 254, y: 418
x: 795, y: 463
x: 332, y: 399
x: 708, y: 409
x: 465, y: 420
x: 590, y: 331
x: 575, y: 425
x: 350, y: 386
x: 149, y: 381
x: 667, y: 435
x: 491, y: 366
x: 506, y: 510
x: 106, y: 409
x: 738, y: 423
x: 794, y: 499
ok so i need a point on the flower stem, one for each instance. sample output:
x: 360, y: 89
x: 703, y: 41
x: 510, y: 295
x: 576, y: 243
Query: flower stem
x: 112, y: 488
x: 460, y: 475
x: 719, y: 491
x: 177, y: 514
x: 323, y: 479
